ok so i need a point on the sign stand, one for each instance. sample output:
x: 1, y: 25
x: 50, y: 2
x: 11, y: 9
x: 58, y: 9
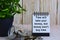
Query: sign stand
x: 41, y: 24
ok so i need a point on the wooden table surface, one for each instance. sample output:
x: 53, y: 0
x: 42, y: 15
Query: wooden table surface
x: 54, y: 32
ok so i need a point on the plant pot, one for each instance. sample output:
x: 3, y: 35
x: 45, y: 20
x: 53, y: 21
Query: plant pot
x: 5, y: 26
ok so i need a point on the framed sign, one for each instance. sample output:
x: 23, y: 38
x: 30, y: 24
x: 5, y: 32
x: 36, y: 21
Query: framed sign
x: 41, y: 24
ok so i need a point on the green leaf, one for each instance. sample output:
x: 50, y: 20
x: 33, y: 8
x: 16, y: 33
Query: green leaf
x: 5, y: 9
x: 9, y: 8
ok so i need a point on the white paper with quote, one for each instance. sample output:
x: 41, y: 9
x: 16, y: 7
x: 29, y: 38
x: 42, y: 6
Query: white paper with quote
x: 41, y: 23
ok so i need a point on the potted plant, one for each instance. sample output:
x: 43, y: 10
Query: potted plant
x: 8, y: 8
